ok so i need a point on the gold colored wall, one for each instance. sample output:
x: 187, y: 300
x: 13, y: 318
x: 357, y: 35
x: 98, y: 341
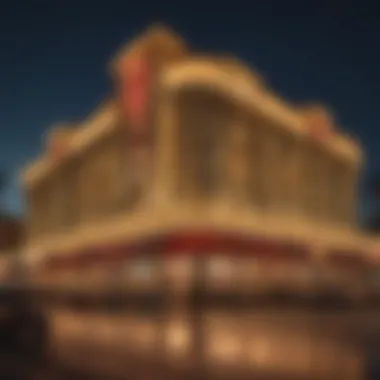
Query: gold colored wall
x: 224, y: 152
x: 218, y: 135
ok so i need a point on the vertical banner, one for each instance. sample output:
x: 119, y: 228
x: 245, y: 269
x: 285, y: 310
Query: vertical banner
x: 237, y: 161
x: 135, y: 92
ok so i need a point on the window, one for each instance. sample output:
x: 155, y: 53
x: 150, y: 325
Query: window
x: 287, y: 174
x: 71, y: 202
x: 221, y: 271
x: 272, y: 167
x: 342, y: 193
x: 319, y: 184
x: 127, y: 191
x: 43, y: 205
x: 87, y: 200
x: 180, y: 272
x: 103, y: 186
x: 203, y: 120
x: 249, y: 271
x: 59, y: 199
x: 106, y: 177
x: 257, y: 160
x: 141, y: 271
x: 311, y: 182
x: 314, y: 183
x: 33, y: 212
x: 237, y: 160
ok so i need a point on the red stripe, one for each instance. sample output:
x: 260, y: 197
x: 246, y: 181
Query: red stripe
x: 193, y: 242
x: 347, y: 259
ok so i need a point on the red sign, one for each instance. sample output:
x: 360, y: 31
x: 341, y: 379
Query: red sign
x: 134, y: 77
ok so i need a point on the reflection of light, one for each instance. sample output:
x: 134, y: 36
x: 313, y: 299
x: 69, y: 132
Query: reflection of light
x: 180, y: 271
x: 145, y: 335
x: 248, y: 272
x: 260, y: 351
x: 221, y: 268
x: 104, y: 330
x: 226, y: 349
x: 178, y: 337
x: 139, y: 333
x: 253, y: 267
x: 141, y: 270
x: 305, y: 272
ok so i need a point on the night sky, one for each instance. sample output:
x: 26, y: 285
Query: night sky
x: 53, y: 57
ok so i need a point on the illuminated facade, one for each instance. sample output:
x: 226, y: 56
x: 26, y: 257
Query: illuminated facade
x: 194, y: 154
x: 191, y: 143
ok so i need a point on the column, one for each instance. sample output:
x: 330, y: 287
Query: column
x: 293, y: 178
x: 58, y: 199
x: 179, y: 328
x: 331, y: 190
x: 237, y: 163
x: 287, y: 171
x: 306, y: 174
x: 349, y: 190
x: 317, y: 184
x: 32, y: 212
x: 257, y: 163
x: 44, y: 201
x: 341, y: 186
x: 271, y: 169
x: 72, y: 195
x: 166, y: 152
x: 324, y: 187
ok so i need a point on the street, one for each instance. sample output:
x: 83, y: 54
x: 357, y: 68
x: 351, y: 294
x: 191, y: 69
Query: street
x: 121, y: 346
x: 215, y: 344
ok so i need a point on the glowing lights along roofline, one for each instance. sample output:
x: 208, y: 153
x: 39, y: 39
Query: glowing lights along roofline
x: 148, y: 222
x: 237, y: 82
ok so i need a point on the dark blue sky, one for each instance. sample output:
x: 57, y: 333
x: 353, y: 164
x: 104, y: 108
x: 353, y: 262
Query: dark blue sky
x: 53, y: 57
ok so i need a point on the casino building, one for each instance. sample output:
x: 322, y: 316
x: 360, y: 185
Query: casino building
x: 192, y: 160
x: 193, y: 153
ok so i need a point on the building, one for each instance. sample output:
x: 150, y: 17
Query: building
x: 189, y: 143
x: 194, y: 156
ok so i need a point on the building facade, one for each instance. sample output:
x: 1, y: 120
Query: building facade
x: 194, y: 156
x: 186, y: 142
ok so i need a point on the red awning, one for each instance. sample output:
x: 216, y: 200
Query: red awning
x: 184, y: 242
